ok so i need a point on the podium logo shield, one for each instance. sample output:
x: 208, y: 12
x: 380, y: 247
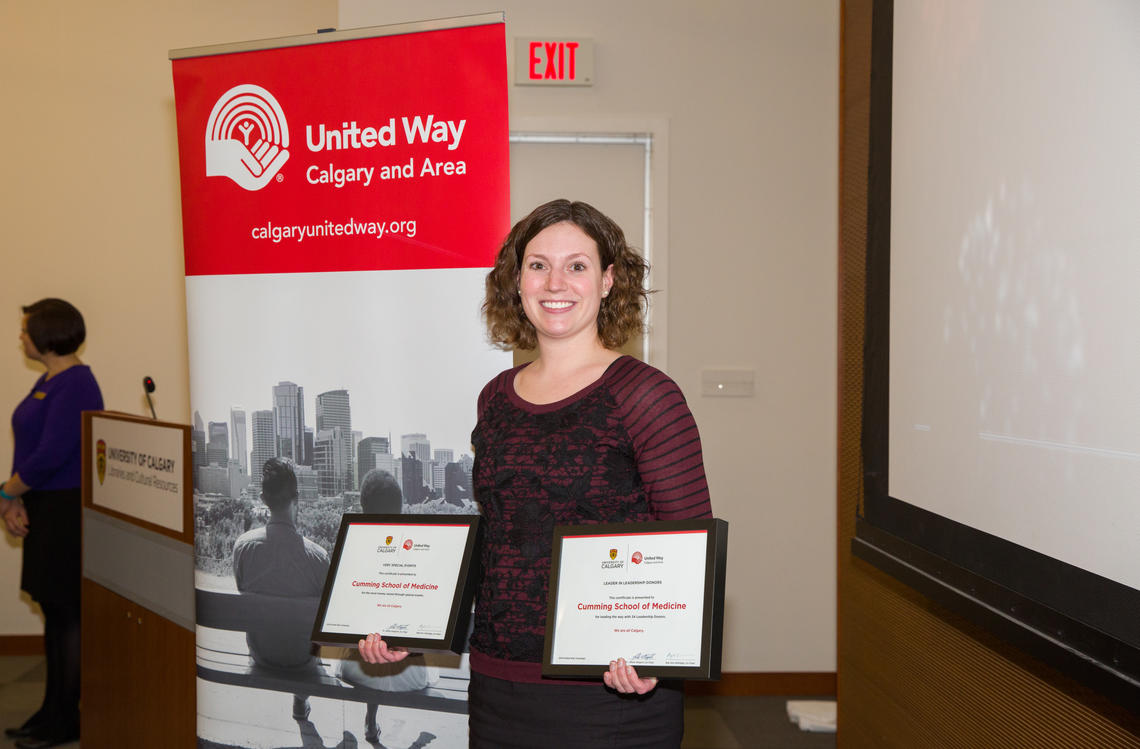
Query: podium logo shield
x: 101, y: 460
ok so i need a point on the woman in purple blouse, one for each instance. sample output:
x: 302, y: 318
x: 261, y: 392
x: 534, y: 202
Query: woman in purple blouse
x: 41, y: 504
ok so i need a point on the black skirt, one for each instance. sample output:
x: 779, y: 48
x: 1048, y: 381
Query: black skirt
x: 505, y: 714
x: 51, y: 570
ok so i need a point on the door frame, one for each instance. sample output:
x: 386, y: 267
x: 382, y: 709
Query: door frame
x: 653, y: 135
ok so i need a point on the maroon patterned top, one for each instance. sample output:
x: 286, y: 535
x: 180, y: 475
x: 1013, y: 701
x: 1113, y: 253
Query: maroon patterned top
x: 623, y: 449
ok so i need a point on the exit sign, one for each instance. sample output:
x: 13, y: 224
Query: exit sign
x: 554, y: 62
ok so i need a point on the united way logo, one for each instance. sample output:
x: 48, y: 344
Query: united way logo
x: 636, y: 559
x: 247, y: 138
x: 101, y: 460
x: 408, y: 545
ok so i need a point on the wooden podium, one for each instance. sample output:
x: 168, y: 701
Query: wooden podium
x: 138, y: 684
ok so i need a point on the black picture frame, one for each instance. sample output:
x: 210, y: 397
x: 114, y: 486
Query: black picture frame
x: 456, y: 629
x: 712, y: 627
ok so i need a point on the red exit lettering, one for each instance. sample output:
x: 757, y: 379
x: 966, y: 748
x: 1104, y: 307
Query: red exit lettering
x: 552, y: 60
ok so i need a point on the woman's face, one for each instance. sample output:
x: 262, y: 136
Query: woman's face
x: 562, y: 283
x: 30, y: 349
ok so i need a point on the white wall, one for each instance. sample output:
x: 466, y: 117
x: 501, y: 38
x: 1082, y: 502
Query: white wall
x: 90, y: 197
x: 750, y: 93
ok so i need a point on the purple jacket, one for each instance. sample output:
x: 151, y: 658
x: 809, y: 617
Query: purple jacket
x: 48, y: 428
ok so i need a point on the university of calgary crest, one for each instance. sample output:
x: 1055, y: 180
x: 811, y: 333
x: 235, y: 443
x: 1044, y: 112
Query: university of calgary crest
x: 613, y: 553
x: 101, y: 460
x: 388, y: 541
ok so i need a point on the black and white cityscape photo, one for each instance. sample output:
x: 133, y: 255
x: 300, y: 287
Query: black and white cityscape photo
x: 340, y: 392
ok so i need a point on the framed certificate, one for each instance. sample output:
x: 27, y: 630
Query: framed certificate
x: 404, y: 576
x: 652, y: 593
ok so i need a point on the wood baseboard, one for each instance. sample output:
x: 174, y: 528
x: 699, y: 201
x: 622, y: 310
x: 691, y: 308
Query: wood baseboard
x: 747, y: 684
x: 21, y: 644
x: 753, y: 684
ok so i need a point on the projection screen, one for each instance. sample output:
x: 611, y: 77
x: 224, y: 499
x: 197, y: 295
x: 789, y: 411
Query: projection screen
x: 1002, y: 403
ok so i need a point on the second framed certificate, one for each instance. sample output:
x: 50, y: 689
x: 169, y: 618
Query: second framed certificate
x: 406, y: 577
x: 652, y: 593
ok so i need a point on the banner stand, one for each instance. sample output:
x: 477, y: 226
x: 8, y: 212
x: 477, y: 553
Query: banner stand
x: 343, y: 195
x: 341, y: 35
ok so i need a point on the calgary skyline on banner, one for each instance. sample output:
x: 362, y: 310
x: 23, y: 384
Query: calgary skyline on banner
x: 330, y: 457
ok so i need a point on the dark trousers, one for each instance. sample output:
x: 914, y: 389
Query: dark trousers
x: 505, y: 714
x: 58, y: 717
x: 51, y: 575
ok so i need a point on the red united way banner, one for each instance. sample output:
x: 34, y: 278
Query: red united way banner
x: 379, y: 153
x: 342, y: 199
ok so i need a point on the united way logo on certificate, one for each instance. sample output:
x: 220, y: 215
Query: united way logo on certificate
x: 638, y: 596
x: 398, y: 580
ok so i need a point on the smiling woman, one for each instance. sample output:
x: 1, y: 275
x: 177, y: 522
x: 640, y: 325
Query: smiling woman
x: 580, y: 435
x: 619, y: 318
x: 562, y: 283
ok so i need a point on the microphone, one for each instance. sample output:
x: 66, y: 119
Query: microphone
x: 148, y: 386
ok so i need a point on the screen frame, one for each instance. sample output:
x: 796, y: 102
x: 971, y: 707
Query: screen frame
x: 1067, y: 617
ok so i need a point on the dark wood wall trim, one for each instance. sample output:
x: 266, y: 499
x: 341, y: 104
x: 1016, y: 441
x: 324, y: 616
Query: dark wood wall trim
x: 752, y: 684
x: 21, y: 644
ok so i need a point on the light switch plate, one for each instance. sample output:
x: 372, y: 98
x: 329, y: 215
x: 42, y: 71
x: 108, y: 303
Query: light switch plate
x: 728, y: 383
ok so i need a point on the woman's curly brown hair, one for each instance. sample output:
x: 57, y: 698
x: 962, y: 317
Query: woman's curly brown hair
x: 622, y: 313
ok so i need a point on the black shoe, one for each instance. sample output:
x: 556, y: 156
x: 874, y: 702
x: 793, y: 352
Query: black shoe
x: 31, y: 725
x: 38, y: 743
x: 372, y: 734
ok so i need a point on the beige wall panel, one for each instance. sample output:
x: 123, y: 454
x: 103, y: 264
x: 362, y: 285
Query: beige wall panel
x: 749, y: 92
x: 90, y: 196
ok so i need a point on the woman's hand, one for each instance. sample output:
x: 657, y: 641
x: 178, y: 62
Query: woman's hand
x: 623, y: 677
x: 16, y: 518
x: 373, y: 649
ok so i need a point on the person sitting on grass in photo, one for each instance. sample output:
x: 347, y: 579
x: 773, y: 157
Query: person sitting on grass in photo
x: 380, y: 495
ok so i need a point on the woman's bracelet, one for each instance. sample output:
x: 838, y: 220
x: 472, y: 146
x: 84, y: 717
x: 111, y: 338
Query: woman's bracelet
x: 3, y: 493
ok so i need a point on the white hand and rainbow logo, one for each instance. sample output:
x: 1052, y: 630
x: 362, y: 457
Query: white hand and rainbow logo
x: 247, y: 138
